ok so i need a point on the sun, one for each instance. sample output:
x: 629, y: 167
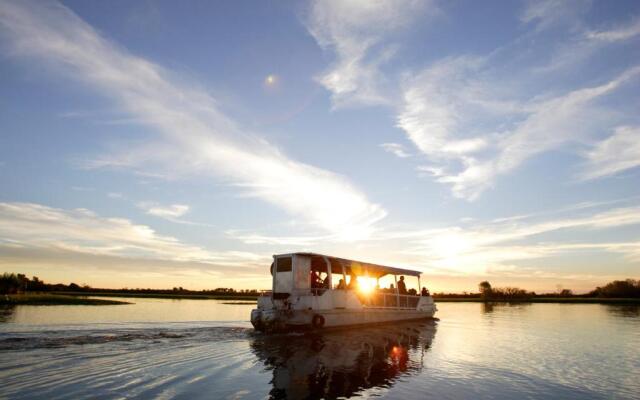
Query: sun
x: 366, y: 285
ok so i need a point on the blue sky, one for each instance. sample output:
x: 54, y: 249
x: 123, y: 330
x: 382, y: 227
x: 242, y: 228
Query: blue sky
x: 160, y: 144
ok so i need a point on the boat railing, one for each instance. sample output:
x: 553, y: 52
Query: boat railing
x: 390, y: 300
x: 376, y: 299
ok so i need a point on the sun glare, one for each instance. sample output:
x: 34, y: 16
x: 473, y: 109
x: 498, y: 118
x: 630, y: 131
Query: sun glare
x: 366, y: 285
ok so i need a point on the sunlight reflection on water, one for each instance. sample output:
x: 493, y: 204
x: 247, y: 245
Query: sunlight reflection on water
x: 204, y: 349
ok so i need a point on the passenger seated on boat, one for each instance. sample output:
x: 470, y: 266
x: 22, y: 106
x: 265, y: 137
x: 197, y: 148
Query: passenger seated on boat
x: 392, y: 289
x: 325, y: 282
x: 316, y: 282
x: 425, y: 291
x: 412, y: 292
x: 341, y: 285
x: 402, y: 287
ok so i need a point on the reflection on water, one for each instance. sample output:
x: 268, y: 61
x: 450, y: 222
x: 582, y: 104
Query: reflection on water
x: 628, y: 311
x: 6, y: 312
x: 195, y: 349
x: 342, y: 363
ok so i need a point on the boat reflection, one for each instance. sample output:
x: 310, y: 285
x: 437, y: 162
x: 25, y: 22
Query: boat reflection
x: 342, y: 363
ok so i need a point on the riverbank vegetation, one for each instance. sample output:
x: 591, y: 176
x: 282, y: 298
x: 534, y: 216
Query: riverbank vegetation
x: 19, y: 283
x: 53, y: 300
x: 618, y: 292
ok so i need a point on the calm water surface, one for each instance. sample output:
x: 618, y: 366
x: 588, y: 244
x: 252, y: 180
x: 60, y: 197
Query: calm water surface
x: 159, y: 348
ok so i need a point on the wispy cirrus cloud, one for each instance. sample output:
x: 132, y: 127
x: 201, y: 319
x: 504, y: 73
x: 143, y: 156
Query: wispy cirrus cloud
x: 478, y: 117
x: 617, y: 33
x: 198, y: 136
x: 481, y: 248
x: 545, y: 14
x: 619, y: 152
x: 29, y: 229
x: 441, y: 126
x: 357, y: 32
x: 396, y: 149
x: 171, y: 211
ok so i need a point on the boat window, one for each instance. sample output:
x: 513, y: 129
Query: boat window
x: 284, y: 264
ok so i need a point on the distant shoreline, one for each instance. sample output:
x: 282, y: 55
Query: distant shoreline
x: 567, y: 300
x: 33, y: 299
x: 191, y: 296
x: 80, y: 298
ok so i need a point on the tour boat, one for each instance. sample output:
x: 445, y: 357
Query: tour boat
x: 315, y: 291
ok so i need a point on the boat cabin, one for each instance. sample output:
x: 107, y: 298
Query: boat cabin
x: 299, y: 274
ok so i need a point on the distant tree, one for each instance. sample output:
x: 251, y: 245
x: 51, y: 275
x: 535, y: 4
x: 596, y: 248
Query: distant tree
x: 566, y: 293
x: 9, y: 283
x: 485, y: 290
x: 626, y: 288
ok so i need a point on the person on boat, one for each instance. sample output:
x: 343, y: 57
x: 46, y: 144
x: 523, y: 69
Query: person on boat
x: 402, y: 287
x: 425, y: 291
x: 316, y: 282
x: 325, y: 282
x: 392, y: 289
x: 341, y: 285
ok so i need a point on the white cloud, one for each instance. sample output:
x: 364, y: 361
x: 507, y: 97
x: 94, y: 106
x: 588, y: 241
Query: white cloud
x: 301, y: 241
x: 617, y: 153
x: 435, y: 104
x: 550, y: 13
x: 618, y: 33
x: 357, y: 32
x: 200, y: 138
x: 482, y: 248
x: 38, y: 229
x: 172, y: 211
x: 444, y: 102
x: 396, y: 149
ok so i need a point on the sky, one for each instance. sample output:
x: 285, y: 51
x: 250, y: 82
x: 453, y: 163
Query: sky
x: 157, y: 144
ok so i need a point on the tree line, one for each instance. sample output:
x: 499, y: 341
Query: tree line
x: 11, y: 283
x: 629, y: 288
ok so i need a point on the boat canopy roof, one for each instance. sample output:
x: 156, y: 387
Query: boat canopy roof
x: 360, y: 268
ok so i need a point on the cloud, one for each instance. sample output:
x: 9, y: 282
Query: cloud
x: 300, y: 241
x: 617, y: 153
x: 483, y: 248
x: 32, y: 229
x: 435, y: 103
x: 453, y: 117
x: 198, y: 137
x: 172, y: 211
x: 618, y: 33
x: 396, y: 149
x: 474, y: 117
x: 546, y: 14
x: 357, y: 32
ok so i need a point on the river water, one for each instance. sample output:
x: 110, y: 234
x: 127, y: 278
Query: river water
x: 190, y: 349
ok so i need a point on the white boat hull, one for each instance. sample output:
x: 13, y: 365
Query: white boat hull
x: 275, y: 319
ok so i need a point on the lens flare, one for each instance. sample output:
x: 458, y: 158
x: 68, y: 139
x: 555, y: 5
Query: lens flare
x: 366, y: 285
x: 270, y: 80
